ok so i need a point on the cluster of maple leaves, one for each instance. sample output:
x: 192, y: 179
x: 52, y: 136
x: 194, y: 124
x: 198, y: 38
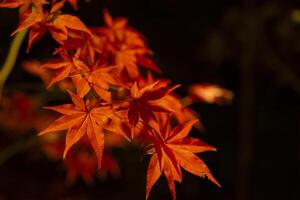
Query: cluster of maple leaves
x: 105, y: 70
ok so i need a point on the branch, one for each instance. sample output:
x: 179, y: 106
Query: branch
x: 11, y: 58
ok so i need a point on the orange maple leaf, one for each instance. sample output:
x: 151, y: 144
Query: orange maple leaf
x: 59, y: 25
x: 64, y: 67
x: 172, y: 150
x: 126, y: 59
x: 81, y: 119
x: 171, y: 100
x: 23, y: 5
x: 98, y: 78
x: 209, y: 93
x: 34, y: 67
x: 81, y: 164
x: 84, y: 164
x: 118, y: 32
x: 146, y: 101
x: 73, y: 3
x: 127, y: 46
x: 13, y: 3
x: 115, y: 28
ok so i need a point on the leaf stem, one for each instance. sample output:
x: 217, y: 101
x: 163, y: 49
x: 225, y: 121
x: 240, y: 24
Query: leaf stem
x: 11, y: 58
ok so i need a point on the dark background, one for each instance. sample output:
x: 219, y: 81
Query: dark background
x: 250, y: 47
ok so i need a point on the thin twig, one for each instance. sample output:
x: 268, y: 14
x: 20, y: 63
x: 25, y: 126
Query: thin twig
x: 11, y: 58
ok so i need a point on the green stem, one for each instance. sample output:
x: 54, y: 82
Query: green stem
x: 11, y: 58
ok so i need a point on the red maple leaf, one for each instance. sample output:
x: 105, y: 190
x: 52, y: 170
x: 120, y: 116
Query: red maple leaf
x: 172, y: 150
x: 146, y: 101
x: 81, y: 119
x: 127, y: 46
x: 59, y: 25
x: 64, y: 67
x: 73, y: 3
x: 23, y: 5
x: 97, y: 78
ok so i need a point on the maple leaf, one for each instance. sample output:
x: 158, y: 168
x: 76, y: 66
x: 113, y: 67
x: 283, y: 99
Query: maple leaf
x: 209, y: 93
x: 181, y: 112
x: 60, y: 26
x: 130, y: 58
x: 172, y: 150
x: 13, y: 3
x: 23, y: 5
x: 73, y: 3
x: 145, y: 101
x: 118, y: 31
x: 19, y: 107
x: 34, y: 67
x: 64, y: 67
x: 30, y: 19
x: 20, y: 112
x: 81, y: 164
x: 87, y: 47
x: 109, y: 165
x: 147, y: 63
x: 80, y: 161
x: 84, y: 164
x: 97, y: 78
x: 171, y: 100
x: 81, y: 119
x: 126, y: 59
x: 127, y: 46
x: 63, y: 24
x: 115, y: 26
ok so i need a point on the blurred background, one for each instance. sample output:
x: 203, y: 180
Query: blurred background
x: 251, y: 47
